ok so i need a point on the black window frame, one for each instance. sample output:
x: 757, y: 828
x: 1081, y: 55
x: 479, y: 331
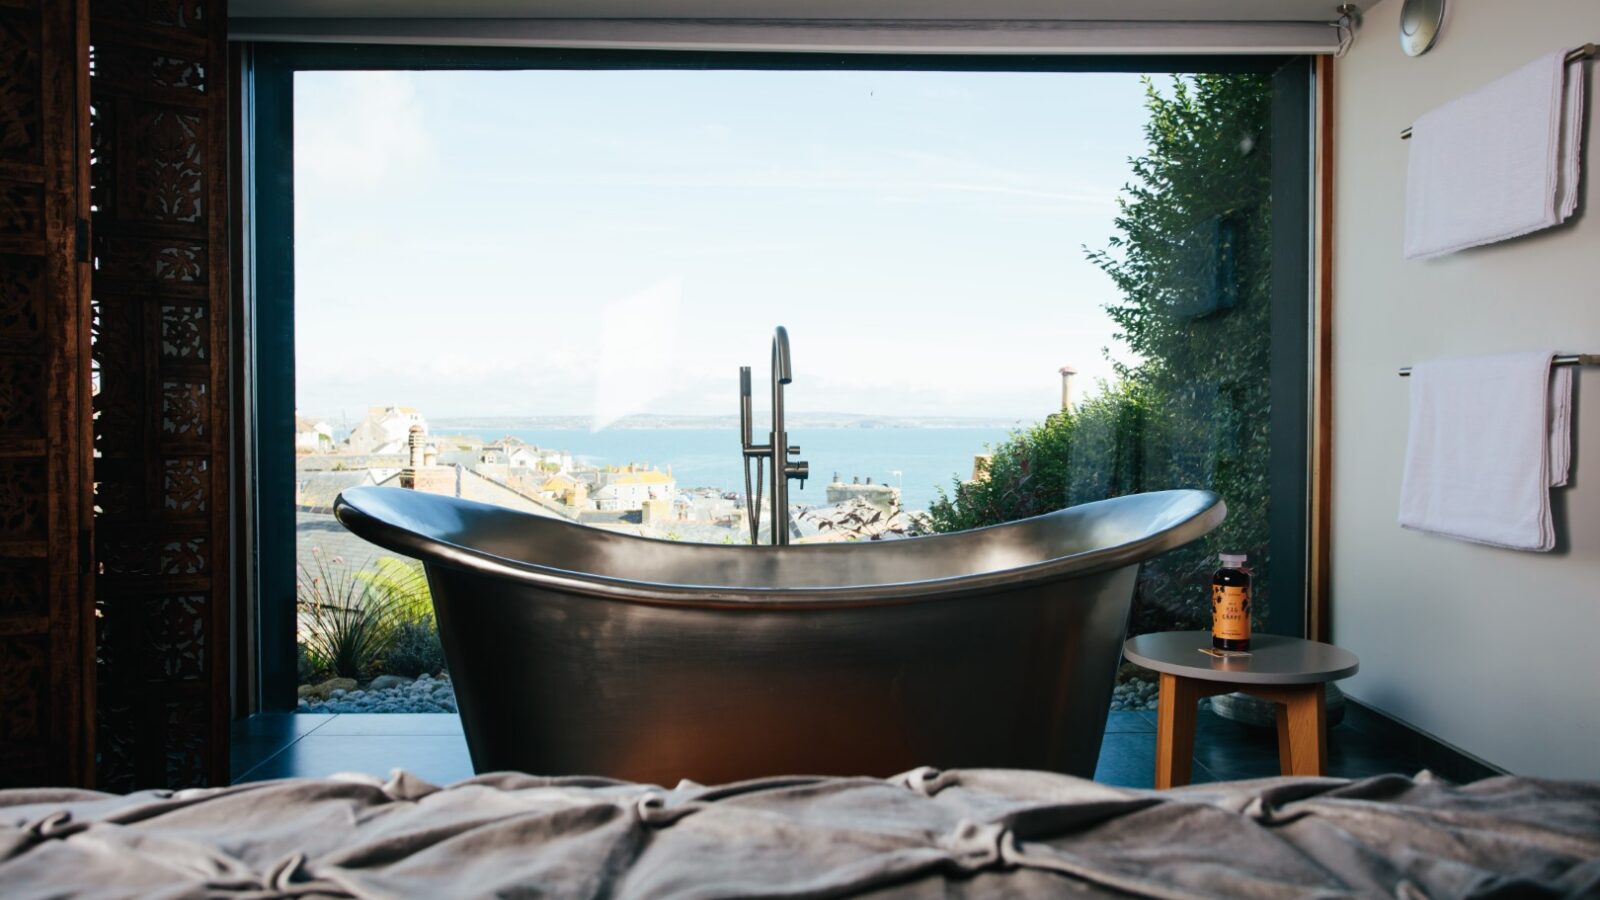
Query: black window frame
x: 265, y: 369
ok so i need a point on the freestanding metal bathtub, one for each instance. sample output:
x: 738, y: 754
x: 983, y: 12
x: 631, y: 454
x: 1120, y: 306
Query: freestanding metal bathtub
x: 580, y: 651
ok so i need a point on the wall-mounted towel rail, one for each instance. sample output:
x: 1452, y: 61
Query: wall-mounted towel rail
x: 1574, y: 359
x: 1587, y: 51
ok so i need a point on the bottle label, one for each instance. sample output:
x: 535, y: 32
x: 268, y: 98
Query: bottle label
x: 1230, y: 613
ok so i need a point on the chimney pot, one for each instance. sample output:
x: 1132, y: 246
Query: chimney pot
x: 414, y: 440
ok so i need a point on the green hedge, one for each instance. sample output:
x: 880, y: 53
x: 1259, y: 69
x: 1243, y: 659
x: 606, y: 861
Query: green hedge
x: 1191, y: 261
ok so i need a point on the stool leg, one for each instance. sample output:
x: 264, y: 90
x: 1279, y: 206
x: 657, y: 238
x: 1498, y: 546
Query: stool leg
x: 1285, y: 759
x: 1175, y: 731
x: 1303, y: 732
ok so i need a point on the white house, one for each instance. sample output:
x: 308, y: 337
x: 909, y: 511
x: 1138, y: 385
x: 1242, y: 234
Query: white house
x: 312, y: 436
x: 385, y: 430
x: 514, y: 453
x: 629, y: 488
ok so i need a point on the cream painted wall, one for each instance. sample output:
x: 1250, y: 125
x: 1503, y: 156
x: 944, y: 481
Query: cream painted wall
x: 1493, y: 651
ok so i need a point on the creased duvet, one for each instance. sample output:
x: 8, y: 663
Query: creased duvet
x: 926, y: 833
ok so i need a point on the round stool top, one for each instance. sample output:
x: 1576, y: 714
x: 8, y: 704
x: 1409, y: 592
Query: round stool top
x: 1273, y: 659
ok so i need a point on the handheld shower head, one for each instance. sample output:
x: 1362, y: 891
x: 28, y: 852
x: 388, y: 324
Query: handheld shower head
x: 746, y: 432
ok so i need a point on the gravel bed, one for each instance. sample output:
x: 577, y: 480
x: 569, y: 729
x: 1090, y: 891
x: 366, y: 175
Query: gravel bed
x: 426, y: 694
x: 1134, y: 694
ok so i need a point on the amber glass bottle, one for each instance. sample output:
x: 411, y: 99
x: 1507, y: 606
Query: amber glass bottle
x: 1230, y: 604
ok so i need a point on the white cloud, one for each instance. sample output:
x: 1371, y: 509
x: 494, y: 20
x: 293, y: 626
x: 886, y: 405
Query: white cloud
x: 636, y: 342
x: 358, y: 129
x: 461, y: 251
x: 1063, y: 197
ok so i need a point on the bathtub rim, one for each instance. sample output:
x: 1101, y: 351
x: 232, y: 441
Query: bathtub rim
x: 432, y: 549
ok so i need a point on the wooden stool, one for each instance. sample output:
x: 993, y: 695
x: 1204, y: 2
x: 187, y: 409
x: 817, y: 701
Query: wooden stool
x: 1289, y: 672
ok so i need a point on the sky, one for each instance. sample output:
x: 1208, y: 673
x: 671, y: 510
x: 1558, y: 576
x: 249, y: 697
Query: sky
x: 603, y: 243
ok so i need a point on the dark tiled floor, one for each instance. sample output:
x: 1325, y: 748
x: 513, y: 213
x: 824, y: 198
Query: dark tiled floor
x: 432, y: 747
x: 429, y: 746
x: 1228, y: 751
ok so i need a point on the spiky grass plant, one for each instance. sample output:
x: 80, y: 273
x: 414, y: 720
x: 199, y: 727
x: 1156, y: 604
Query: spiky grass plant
x: 347, y: 621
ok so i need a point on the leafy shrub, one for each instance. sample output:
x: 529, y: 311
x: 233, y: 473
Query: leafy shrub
x: 1191, y: 261
x: 406, y: 584
x: 1027, y: 476
x: 308, y: 668
x: 415, y: 649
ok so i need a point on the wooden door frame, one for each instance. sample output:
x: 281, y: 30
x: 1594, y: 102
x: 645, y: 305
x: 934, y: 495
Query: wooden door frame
x: 263, y: 366
x: 1319, y: 617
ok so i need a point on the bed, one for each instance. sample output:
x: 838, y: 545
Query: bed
x: 926, y: 833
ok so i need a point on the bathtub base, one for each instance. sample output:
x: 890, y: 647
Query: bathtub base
x: 576, y: 650
x: 558, y: 684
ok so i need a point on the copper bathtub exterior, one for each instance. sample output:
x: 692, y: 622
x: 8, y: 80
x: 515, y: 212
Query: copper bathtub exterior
x: 580, y: 651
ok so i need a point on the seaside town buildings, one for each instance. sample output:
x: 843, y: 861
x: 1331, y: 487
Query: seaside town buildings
x: 392, y: 447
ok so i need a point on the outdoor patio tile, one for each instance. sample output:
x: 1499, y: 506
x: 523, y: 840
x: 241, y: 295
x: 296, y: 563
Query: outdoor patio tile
x: 258, y: 738
x: 440, y: 759
x: 280, y: 724
x: 393, y: 724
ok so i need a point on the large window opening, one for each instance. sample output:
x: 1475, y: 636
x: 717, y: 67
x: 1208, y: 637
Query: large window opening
x: 1007, y: 292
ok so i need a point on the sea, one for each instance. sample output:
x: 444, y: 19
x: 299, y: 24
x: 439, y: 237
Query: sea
x: 925, y: 458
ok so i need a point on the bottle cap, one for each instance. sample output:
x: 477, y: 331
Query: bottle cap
x: 1233, y: 560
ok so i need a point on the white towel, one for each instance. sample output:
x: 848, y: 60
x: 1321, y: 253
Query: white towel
x: 1497, y: 163
x: 1489, y: 437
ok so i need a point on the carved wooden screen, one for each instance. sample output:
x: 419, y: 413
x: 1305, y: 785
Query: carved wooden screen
x: 45, y: 656
x: 159, y: 129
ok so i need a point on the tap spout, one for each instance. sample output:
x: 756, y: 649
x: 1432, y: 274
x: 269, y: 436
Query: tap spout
x: 782, y: 368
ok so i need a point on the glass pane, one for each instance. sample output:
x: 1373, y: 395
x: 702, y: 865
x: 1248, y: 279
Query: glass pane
x: 1189, y: 404
x: 1006, y: 293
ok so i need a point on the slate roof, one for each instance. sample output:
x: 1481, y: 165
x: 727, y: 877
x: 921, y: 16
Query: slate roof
x: 473, y: 485
x: 338, y: 547
x: 702, y: 533
x: 318, y: 489
x: 610, y: 517
x: 467, y: 458
x: 339, y: 462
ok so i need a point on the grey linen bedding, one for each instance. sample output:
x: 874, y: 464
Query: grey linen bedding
x: 978, y: 833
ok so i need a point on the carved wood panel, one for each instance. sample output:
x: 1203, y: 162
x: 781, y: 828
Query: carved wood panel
x: 45, y: 656
x: 160, y: 316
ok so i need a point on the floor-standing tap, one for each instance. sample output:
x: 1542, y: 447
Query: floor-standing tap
x: 782, y: 468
